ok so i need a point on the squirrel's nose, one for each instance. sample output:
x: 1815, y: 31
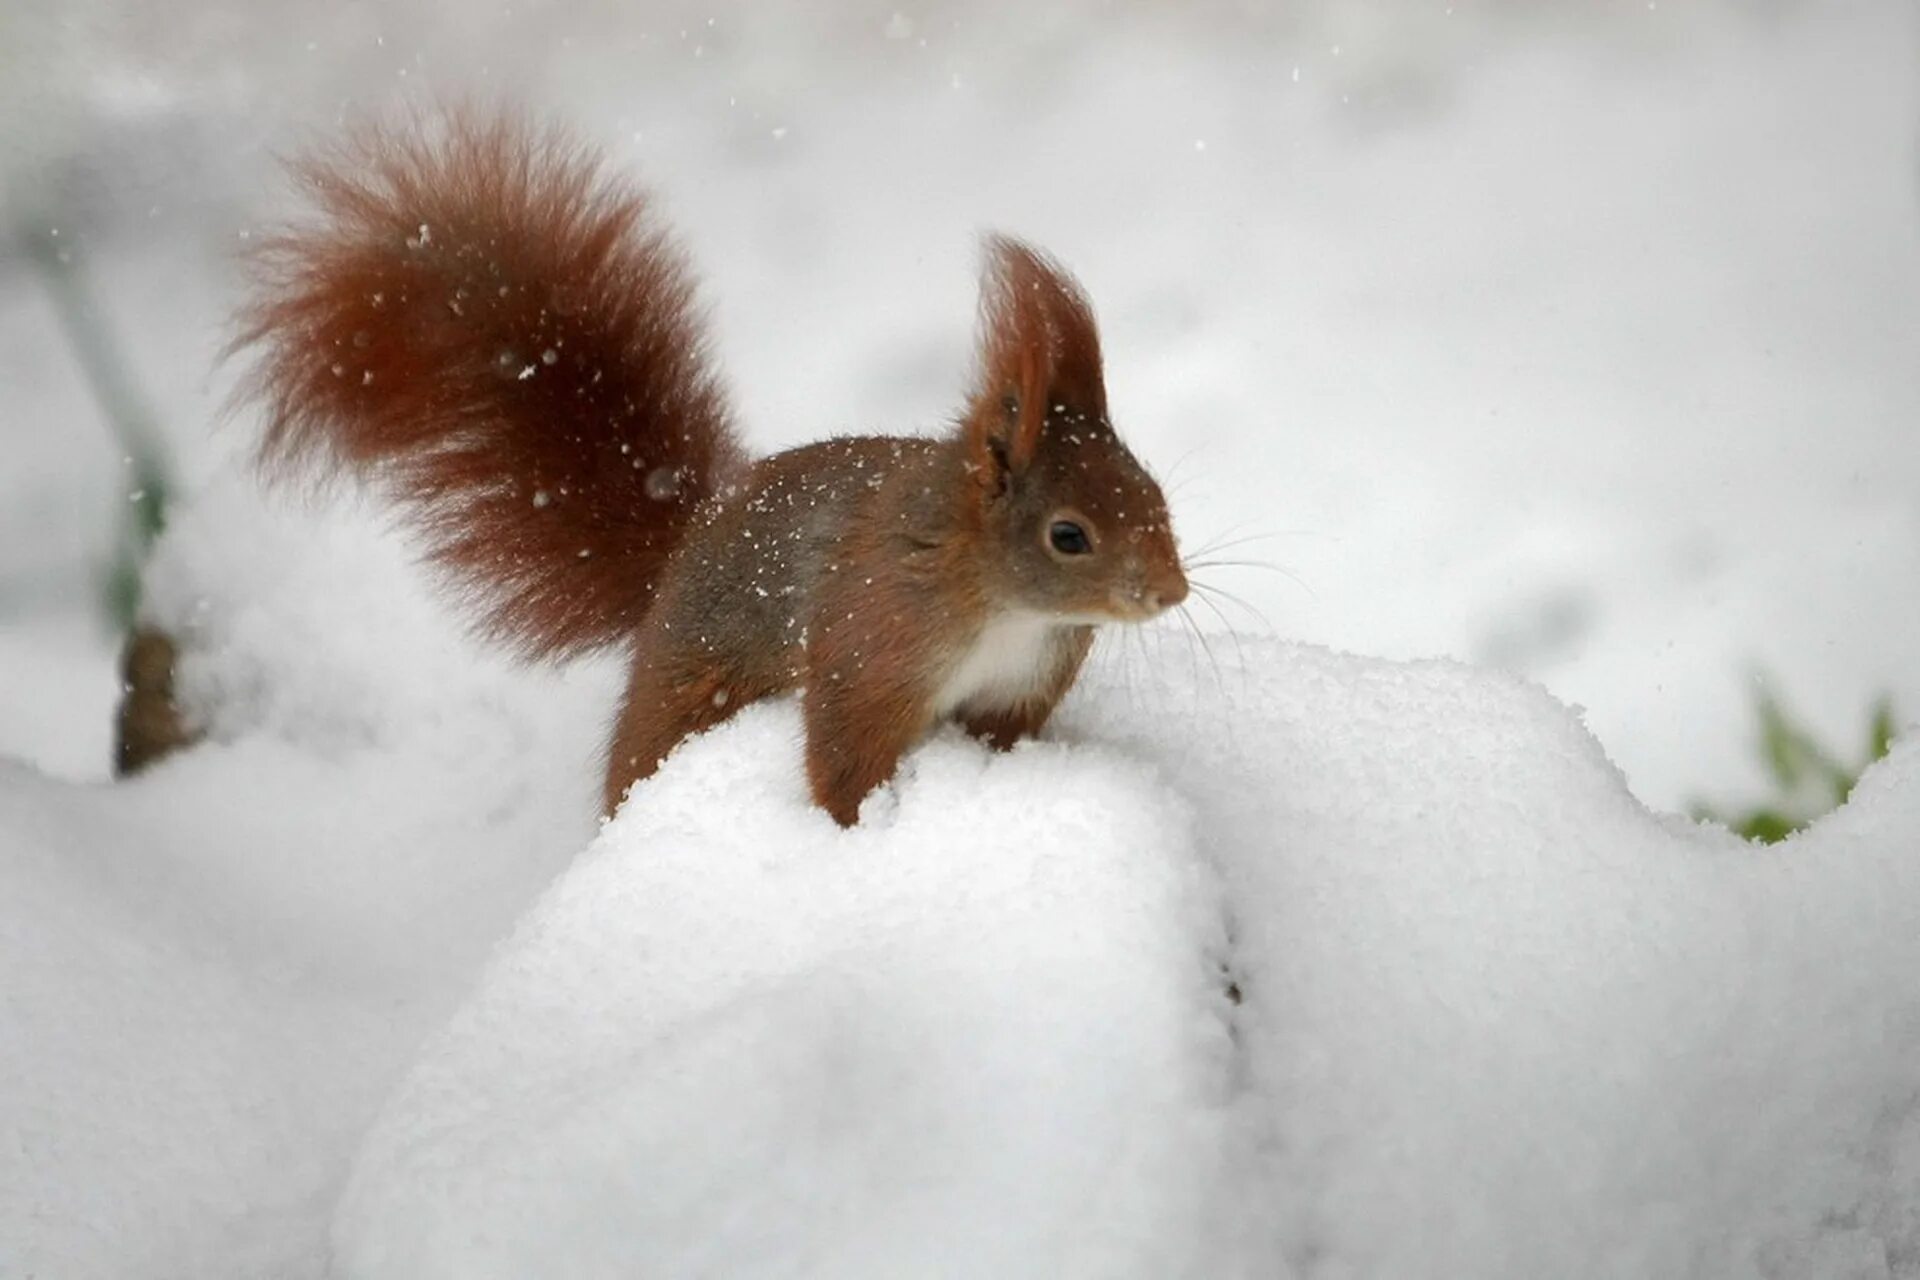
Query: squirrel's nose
x: 1166, y: 591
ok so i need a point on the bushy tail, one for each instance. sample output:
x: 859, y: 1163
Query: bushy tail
x: 485, y: 319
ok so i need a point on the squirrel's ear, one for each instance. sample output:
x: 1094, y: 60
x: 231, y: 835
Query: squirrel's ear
x: 1039, y: 351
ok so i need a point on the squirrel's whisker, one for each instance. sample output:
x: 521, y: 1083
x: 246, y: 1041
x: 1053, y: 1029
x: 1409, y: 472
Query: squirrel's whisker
x: 1194, y: 631
x: 1265, y: 566
x: 1206, y: 592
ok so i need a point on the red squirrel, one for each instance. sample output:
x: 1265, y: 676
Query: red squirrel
x: 489, y: 321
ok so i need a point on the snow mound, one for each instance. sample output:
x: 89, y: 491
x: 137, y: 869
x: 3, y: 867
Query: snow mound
x: 983, y: 1032
x: 1494, y: 1018
x: 1270, y: 961
x: 1500, y: 1020
x: 216, y: 972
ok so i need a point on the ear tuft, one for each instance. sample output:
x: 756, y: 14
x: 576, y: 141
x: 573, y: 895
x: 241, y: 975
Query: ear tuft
x: 1038, y: 349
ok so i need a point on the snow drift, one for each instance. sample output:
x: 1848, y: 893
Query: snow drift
x: 984, y: 1031
x: 1495, y: 1019
x: 215, y: 972
x: 1269, y: 961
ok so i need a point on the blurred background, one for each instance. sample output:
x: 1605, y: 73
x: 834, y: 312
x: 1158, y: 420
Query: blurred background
x: 1578, y: 339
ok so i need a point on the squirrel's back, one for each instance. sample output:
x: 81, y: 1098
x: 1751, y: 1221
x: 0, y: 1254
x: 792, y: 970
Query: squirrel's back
x: 485, y: 317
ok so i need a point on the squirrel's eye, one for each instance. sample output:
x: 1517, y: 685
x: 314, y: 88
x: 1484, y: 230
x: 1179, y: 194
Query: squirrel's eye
x: 1069, y: 539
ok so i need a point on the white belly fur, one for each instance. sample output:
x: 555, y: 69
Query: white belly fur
x: 1014, y: 657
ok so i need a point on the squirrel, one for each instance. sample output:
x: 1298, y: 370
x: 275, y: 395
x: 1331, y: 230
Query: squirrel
x: 486, y: 319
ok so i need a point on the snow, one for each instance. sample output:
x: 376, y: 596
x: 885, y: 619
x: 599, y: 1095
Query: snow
x: 1496, y: 1020
x: 354, y: 989
x: 1578, y: 346
x: 216, y: 971
x: 984, y: 1030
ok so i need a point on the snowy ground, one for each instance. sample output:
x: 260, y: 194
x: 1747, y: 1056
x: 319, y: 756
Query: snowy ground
x: 1494, y: 1018
x: 1572, y: 342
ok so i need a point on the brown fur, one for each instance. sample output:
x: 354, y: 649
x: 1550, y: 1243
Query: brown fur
x: 869, y: 572
x: 1040, y: 345
x: 488, y: 319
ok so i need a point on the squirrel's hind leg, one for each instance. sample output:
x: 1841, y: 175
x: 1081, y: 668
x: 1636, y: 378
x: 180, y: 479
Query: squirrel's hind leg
x: 668, y: 699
